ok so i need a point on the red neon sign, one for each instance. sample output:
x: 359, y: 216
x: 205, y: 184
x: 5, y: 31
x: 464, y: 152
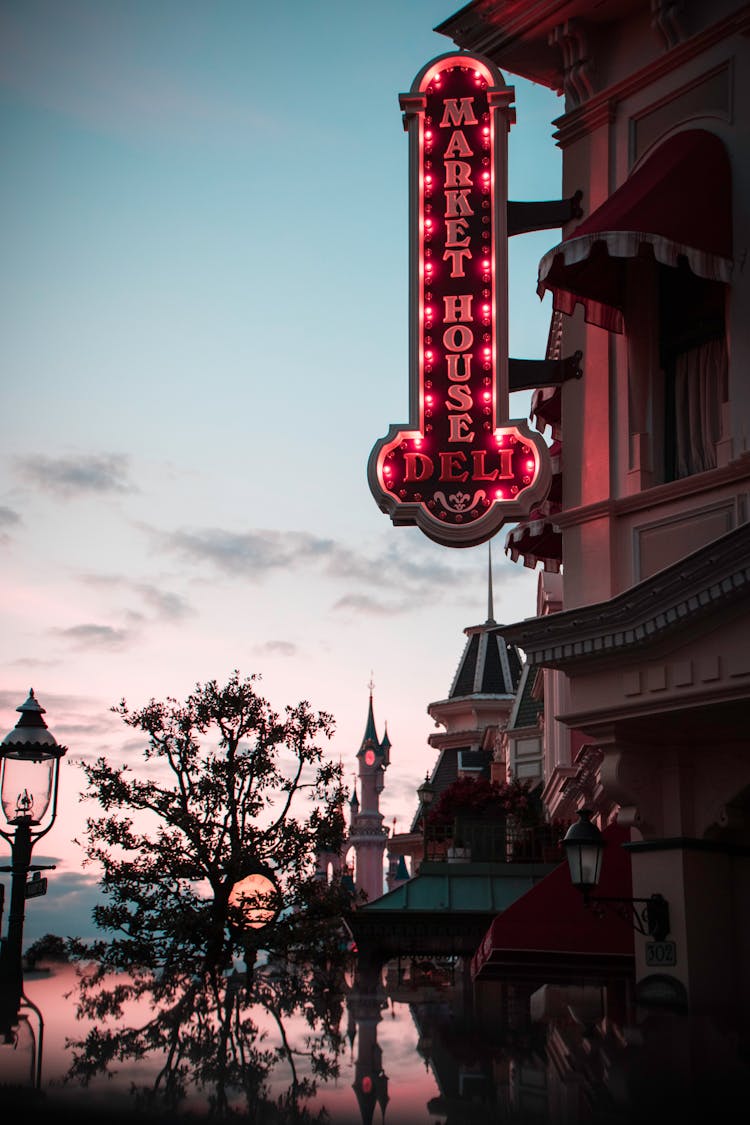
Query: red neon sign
x: 460, y: 469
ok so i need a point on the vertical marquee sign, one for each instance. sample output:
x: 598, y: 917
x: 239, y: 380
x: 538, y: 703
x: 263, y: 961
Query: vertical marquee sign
x: 460, y: 469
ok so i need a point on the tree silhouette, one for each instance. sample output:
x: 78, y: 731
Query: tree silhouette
x: 177, y: 842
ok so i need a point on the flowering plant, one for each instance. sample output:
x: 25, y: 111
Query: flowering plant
x: 472, y: 797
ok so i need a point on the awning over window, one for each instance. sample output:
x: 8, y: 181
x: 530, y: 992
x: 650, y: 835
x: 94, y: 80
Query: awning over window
x: 549, y: 929
x: 677, y: 205
x: 538, y: 539
x: 546, y: 410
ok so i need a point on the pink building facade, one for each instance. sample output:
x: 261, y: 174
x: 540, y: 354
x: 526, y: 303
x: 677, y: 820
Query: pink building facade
x: 644, y: 655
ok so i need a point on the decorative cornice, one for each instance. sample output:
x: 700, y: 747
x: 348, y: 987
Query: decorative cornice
x: 584, y: 119
x: 651, y: 498
x: 579, y: 121
x: 712, y: 579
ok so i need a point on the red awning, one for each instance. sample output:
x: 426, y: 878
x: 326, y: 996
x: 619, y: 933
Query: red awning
x: 549, y: 929
x: 546, y: 410
x: 538, y: 538
x: 677, y: 205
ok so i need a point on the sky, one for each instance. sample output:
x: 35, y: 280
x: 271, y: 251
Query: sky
x: 203, y: 332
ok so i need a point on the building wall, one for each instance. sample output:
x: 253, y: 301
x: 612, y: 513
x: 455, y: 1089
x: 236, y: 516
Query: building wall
x: 613, y: 533
x: 667, y: 720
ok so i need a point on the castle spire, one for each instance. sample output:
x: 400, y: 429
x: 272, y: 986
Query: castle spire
x: 490, y: 605
x: 371, y: 734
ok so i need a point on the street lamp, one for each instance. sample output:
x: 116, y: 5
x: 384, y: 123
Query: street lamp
x: 29, y: 774
x: 426, y: 794
x: 584, y: 847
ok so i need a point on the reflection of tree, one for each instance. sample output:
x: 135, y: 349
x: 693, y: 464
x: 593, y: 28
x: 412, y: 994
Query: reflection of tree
x: 223, y: 1039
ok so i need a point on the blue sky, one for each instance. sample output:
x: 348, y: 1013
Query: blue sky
x: 203, y: 306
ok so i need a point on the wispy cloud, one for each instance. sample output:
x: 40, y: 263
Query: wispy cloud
x: 259, y: 552
x: 276, y: 648
x: 58, y: 701
x: 9, y: 521
x: 94, y: 636
x: 76, y: 476
x: 365, y: 604
x: 382, y: 579
x: 163, y: 604
x: 67, y: 907
x: 96, y: 725
x: 250, y: 553
x: 32, y: 662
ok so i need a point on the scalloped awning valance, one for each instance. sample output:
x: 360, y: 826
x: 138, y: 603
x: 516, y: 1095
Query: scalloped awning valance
x: 676, y: 205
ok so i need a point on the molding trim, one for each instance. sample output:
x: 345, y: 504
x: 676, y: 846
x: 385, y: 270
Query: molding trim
x: 650, y: 498
x: 582, y: 120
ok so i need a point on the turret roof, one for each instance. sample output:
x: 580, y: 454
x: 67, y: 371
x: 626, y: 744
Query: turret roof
x: 370, y: 737
x: 371, y: 734
x: 488, y: 665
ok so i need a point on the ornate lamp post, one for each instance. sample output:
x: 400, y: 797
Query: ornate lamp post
x: 584, y: 848
x: 29, y: 774
x: 426, y: 794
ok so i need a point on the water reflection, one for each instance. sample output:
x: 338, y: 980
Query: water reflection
x: 413, y: 1045
x: 21, y: 1043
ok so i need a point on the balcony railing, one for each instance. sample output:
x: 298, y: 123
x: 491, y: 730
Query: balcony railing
x: 495, y: 841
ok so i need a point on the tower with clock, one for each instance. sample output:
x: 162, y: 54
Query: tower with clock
x: 367, y: 835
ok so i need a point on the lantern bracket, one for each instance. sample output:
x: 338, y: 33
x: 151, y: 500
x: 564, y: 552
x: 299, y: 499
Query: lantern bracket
x: 652, y: 920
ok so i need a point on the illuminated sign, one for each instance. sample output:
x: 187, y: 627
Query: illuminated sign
x: 460, y: 469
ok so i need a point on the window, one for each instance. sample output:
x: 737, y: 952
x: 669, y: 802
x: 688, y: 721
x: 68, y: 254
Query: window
x: 677, y: 370
x: 693, y: 357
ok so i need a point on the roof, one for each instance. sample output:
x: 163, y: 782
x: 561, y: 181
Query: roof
x: 459, y: 888
x: 443, y: 775
x: 520, y: 35
x: 371, y: 734
x: 488, y: 665
x: 526, y: 709
x: 679, y: 598
x: 370, y: 737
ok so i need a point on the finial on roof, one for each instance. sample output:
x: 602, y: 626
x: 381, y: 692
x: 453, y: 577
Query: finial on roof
x: 490, y: 606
